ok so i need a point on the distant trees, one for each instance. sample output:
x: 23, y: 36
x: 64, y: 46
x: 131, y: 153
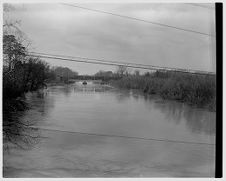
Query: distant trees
x: 137, y: 72
x: 102, y: 73
x: 147, y: 74
x: 65, y: 72
x: 61, y: 74
x: 121, y: 70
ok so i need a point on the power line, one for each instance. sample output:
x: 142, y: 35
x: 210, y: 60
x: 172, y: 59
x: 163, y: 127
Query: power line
x: 117, y: 63
x: 91, y: 62
x: 104, y: 60
x: 137, y: 19
x: 101, y: 61
x: 127, y: 137
x: 95, y: 59
x: 202, y: 6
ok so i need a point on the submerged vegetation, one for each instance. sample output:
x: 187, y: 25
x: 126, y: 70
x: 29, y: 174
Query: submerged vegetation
x: 199, y: 90
x: 21, y: 74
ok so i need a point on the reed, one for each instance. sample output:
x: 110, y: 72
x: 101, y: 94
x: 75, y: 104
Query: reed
x: 197, y: 90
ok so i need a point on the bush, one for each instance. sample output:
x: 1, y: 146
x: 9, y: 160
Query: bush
x: 194, y: 89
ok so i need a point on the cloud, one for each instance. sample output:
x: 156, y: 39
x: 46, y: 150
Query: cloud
x: 59, y: 29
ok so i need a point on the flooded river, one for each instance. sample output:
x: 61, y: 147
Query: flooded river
x: 100, y: 131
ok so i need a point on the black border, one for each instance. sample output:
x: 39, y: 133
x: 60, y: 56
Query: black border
x: 219, y: 89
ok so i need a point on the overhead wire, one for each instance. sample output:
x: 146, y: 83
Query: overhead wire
x: 95, y: 59
x: 116, y: 63
x: 127, y: 137
x: 128, y: 64
x: 90, y: 62
x: 137, y: 19
x: 202, y: 6
x: 110, y: 61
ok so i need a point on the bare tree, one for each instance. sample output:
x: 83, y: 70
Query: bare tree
x: 137, y: 72
x: 121, y: 70
x: 12, y: 26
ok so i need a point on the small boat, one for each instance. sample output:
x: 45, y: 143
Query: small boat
x: 71, y: 81
x: 84, y: 83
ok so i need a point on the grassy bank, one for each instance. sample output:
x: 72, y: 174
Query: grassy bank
x: 199, y: 90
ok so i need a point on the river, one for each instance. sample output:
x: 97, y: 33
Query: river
x: 100, y: 131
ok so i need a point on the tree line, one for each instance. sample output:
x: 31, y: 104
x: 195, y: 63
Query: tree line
x: 21, y: 73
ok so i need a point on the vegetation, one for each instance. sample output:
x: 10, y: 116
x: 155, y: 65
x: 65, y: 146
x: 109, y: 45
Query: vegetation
x: 193, y: 89
x: 102, y: 73
x: 21, y: 73
x: 61, y: 74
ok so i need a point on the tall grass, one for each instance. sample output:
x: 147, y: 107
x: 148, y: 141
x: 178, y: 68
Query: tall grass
x: 197, y: 90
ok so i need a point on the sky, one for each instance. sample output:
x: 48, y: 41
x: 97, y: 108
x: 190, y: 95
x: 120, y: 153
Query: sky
x: 65, y: 30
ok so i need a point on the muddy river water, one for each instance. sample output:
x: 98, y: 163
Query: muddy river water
x: 100, y: 131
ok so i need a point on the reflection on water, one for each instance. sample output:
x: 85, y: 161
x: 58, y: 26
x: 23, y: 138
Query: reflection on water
x: 22, y: 136
x: 19, y: 133
x: 102, y: 109
x: 197, y: 120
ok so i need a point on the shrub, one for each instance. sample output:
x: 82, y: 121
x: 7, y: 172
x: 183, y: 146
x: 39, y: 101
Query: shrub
x: 194, y: 89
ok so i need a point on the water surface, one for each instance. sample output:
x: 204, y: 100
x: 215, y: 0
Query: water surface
x: 129, y: 135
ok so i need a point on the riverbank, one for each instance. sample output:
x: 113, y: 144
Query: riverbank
x: 196, y: 90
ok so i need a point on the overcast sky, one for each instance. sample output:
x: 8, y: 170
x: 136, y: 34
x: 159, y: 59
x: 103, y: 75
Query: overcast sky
x: 65, y: 30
